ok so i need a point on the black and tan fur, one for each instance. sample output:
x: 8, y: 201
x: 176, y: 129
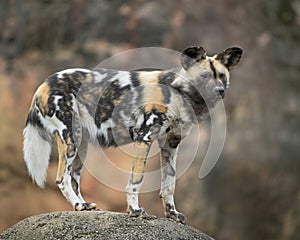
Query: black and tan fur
x: 112, y: 108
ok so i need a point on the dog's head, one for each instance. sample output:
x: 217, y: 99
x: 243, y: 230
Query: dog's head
x: 208, y: 75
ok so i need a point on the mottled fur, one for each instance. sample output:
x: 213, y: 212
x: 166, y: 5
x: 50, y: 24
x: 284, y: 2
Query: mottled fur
x: 78, y: 106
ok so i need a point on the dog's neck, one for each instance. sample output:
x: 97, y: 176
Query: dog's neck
x: 196, y: 101
x: 183, y: 85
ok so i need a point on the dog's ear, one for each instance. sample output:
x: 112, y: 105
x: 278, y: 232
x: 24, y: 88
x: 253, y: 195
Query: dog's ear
x: 230, y: 57
x: 192, y: 55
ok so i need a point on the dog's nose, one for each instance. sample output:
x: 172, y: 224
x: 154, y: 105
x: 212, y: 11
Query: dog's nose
x: 222, y: 92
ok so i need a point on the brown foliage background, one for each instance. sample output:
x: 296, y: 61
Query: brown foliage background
x: 253, y: 192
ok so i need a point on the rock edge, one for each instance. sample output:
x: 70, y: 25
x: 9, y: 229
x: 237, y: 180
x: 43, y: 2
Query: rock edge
x: 99, y: 225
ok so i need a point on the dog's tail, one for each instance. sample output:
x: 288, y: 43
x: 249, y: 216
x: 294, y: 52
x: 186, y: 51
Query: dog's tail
x: 36, y: 147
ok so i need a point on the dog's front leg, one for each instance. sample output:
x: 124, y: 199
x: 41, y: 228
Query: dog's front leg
x: 141, y: 150
x: 169, y: 149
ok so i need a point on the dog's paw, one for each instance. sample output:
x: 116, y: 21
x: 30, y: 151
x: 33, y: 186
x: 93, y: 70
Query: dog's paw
x: 85, y: 206
x: 173, y: 214
x: 140, y: 212
x: 177, y: 216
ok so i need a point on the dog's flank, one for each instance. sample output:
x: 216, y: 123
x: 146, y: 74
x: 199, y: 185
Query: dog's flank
x: 78, y: 106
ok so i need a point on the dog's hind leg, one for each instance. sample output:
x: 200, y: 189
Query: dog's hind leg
x: 67, y: 154
x: 75, y: 172
x: 63, y: 179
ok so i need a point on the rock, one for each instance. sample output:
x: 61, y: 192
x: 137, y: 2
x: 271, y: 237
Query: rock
x: 99, y: 225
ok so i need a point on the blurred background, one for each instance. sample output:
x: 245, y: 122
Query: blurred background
x: 254, y: 190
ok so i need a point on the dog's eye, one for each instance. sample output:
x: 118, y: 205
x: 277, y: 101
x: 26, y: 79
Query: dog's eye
x: 222, y: 76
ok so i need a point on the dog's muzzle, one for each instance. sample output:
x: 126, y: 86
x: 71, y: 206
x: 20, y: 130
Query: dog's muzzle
x: 222, y: 93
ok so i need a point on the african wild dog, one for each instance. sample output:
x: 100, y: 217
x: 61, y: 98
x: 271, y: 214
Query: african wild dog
x: 78, y: 106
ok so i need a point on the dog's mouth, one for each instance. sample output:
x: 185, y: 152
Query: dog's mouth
x: 215, y: 97
x: 221, y: 96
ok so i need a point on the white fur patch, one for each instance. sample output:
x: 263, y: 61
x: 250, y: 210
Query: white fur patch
x: 140, y: 121
x: 36, y: 154
x: 52, y: 124
x: 147, y: 136
x: 123, y: 77
x: 103, y: 128
x: 67, y: 190
x: 88, y: 122
x: 151, y: 119
x: 55, y: 101
x: 98, y: 77
x: 132, y: 196
x: 126, y: 119
x: 74, y: 104
x: 71, y: 70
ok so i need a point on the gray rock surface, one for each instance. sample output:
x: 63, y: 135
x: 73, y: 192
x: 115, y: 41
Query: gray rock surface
x: 98, y: 225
